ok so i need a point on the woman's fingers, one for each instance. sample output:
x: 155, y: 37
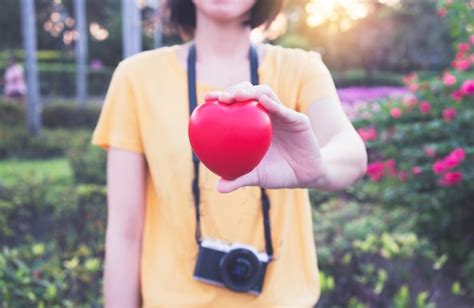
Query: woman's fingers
x: 245, y: 91
x: 212, y: 95
x: 255, y: 92
x: 249, y: 179
x: 277, y: 110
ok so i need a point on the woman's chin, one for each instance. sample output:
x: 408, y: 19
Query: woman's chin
x: 225, y: 10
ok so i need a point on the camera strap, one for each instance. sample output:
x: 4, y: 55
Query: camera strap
x: 192, y: 96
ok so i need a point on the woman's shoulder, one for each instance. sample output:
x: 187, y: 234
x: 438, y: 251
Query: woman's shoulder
x: 291, y: 56
x: 159, y: 58
x: 292, y: 62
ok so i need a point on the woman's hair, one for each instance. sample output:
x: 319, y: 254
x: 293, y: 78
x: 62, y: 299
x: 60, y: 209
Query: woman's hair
x: 182, y: 14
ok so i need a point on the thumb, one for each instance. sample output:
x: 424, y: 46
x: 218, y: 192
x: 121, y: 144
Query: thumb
x: 227, y: 186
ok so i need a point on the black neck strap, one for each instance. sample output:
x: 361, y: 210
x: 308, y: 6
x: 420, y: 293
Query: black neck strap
x: 192, y: 96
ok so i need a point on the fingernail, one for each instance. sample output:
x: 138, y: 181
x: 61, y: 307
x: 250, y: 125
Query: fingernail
x: 225, y: 98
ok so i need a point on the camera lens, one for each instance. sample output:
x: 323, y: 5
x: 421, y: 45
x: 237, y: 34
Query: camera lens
x: 240, y: 269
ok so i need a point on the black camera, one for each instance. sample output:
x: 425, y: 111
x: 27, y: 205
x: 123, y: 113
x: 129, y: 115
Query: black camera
x: 238, y: 267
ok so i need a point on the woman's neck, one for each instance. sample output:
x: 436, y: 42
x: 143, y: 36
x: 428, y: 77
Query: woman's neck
x: 216, y: 40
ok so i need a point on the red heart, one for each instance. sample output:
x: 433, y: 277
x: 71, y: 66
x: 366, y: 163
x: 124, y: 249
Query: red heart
x: 230, y: 139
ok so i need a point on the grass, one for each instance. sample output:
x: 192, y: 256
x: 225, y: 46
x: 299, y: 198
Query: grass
x: 56, y: 170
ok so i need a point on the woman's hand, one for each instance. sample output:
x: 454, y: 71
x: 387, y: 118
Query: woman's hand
x: 293, y: 159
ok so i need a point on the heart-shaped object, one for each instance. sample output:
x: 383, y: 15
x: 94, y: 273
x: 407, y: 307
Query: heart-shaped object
x: 230, y: 139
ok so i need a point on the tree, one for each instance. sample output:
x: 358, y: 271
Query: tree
x: 81, y: 51
x: 131, y: 28
x: 29, y: 42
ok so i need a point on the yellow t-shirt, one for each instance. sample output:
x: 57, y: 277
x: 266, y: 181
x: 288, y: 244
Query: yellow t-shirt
x: 146, y: 111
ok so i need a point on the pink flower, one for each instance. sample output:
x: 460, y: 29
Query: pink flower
x: 403, y: 176
x: 463, y: 47
x: 462, y: 64
x: 425, y: 107
x: 396, y: 113
x: 467, y: 87
x: 449, y: 114
x: 442, y: 12
x: 458, y: 153
x: 439, y: 166
x: 472, y: 39
x: 460, y: 55
x: 451, y: 178
x: 375, y: 171
x: 410, y: 78
x: 410, y: 101
x: 367, y: 133
x: 416, y: 170
x: 451, y: 161
x: 457, y: 95
x: 449, y: 79
x: 430, y: 151
x: 413, y: 87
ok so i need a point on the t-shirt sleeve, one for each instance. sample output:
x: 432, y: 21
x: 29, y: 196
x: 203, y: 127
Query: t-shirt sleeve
x: 118, y: 124
x: 316, y: 82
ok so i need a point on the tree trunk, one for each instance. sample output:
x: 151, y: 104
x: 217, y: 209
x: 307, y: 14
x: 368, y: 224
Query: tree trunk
x: 81, y: 51
x: 131, y: 28
x: 28, y: 21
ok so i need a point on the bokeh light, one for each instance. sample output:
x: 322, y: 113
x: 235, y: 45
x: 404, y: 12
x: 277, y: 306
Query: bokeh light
x: 342, y: 12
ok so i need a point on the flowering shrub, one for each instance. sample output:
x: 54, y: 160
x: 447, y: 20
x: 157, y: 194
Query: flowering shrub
x: 421, y: 153
x: 52, y: 240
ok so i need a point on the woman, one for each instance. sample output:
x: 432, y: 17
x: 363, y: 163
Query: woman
x: 151, y: 250
x: 14, y: 80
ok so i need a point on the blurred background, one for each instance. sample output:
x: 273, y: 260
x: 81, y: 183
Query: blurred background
x: 401, y: 237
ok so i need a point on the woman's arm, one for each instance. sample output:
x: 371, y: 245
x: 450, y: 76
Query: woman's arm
x: 126, y: 172
x: 343, y: 153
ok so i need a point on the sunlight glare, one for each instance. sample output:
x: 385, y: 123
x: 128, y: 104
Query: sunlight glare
x: 320, y: 11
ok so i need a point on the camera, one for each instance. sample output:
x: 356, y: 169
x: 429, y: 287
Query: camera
x: 238, y: 267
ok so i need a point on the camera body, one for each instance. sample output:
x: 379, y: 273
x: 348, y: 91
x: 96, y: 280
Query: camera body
x: 238, y: 267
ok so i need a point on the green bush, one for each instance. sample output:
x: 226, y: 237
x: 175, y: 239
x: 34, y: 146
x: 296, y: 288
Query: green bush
x: 352, y: 78
x: 54, y: 115
x: 16, y: 142
x: 70, y: 215
x: 426, y: 163
x: 41, y: 275
x: 42, y: 55
x: 367, y: 254
x: 422, y: 155
x: 52, y: 239
x: 12, y: 114
x: 28, y: 207
x: 86, y: 160
x: 60, y: 80
x: 53, y: 141
x: 70, y: 116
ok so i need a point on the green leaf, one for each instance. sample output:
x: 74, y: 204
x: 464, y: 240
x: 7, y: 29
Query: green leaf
x: 402, y: 298
x: 71, y: 264
x: 456, y: 288
x: 51, y: 292
x: 440, y: 262
x: 421, y: 299
x: 38, y: 249
x: 92, y: 264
